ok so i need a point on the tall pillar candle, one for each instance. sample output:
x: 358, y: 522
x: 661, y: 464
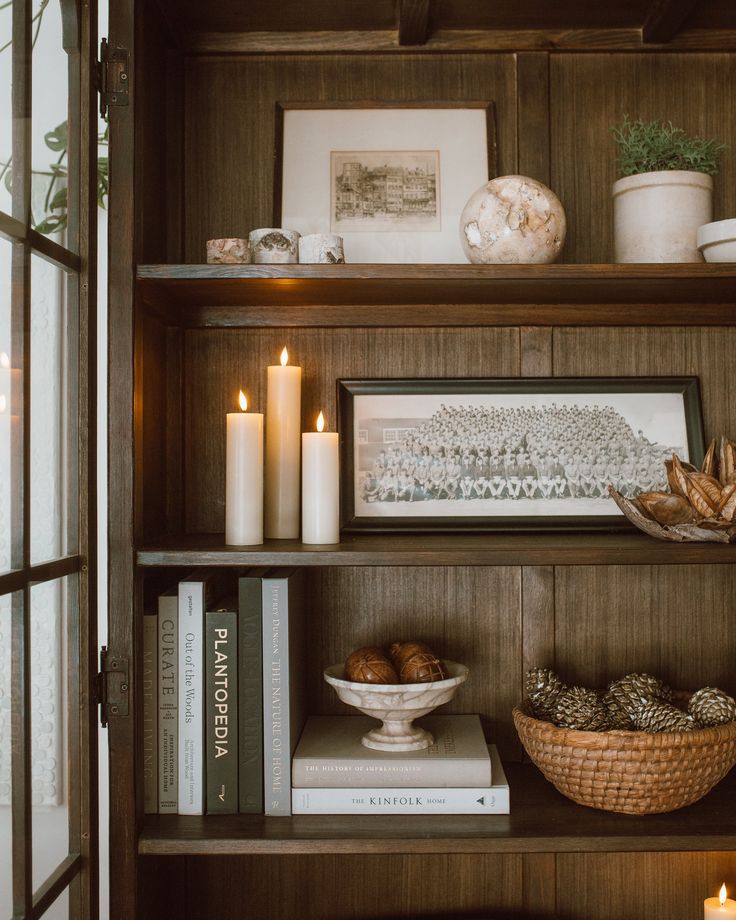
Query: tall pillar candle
x: 320, y: 486
x: 283, y: 430
x: 720, y: 908
x: 244, y: 477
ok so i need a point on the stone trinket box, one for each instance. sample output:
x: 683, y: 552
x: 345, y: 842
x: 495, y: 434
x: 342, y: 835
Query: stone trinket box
x: 273, y: 245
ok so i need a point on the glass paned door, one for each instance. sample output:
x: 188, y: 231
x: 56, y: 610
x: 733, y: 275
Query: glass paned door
x: 48, y: 789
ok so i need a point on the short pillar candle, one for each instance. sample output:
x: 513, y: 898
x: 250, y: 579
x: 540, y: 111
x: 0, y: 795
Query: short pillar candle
x: 283, y: 427
x: 244, y: 477
x: 720, y: 908
x: 320, y: 486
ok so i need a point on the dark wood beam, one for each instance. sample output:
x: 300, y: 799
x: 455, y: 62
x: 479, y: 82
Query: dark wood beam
x: 413, y: 22
x: 665, y: 20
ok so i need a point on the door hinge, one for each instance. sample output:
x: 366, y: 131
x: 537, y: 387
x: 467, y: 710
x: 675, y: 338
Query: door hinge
x: 113, y: 686
x: 113, y: 76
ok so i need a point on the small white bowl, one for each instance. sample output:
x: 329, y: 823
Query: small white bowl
x: 717, y: 240
x: 397, y: 705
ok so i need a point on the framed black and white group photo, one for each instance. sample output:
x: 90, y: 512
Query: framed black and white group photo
x: 508, y: 454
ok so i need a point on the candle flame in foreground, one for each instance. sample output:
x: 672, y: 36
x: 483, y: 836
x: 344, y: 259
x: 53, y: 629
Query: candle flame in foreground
x: 320, y: 422
x: 243, y: 401
x: 722, y: 894
x: 3, y: 402
x: 4, y: 359
x: 284, y: 357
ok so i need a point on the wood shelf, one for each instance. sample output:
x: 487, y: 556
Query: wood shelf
x: 440, y: 295
x: 621, y: 548
x: 542, y: 820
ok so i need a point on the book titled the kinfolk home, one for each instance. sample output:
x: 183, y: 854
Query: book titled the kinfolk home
x: 284, y: 685
x: 221, y: 708
x: 168, y: 701
x: 330, y: 754
x: 250, y: 690
x: 150, y: 711
x: 482, y: 800
x: 195, y: 595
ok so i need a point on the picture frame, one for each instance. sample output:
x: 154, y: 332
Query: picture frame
x: 390, y: 178
x: 557, y: 431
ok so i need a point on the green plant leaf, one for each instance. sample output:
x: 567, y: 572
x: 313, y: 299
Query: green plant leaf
x: 58, y: 139
x: 52, y: 224
x: 651, y: 146
x: 59, y: 200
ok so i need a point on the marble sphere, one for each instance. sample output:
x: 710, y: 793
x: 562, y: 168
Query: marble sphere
x: 513, y: 219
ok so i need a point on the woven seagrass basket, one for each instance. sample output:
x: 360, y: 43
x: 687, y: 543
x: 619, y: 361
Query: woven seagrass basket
x: 636, y: 773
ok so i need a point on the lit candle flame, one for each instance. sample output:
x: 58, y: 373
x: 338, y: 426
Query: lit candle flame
x: 243, y: 401
x: 722, y: 894
x: 320, y: 422
x: 4, y: 359
x: 284, y: 357
x: 3, y: 402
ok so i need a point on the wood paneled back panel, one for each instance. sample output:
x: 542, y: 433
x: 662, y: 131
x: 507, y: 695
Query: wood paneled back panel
x: 218, y: 362
x: 591, y: 92
x: 230, y: 127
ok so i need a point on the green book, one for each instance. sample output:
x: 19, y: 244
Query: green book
x: 250, y: 691
x: 221, y: 709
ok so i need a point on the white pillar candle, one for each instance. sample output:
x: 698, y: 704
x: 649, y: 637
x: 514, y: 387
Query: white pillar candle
x: 720, y: 908
x: 244, y: 477
x: 283, y: 427
x: 320, y: 486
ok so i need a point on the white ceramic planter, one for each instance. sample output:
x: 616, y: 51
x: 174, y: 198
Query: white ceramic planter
x: 717, y: 241
x: 656, y: 215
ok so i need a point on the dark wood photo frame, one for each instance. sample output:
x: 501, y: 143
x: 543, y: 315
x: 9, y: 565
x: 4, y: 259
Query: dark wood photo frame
x: 512, y: 472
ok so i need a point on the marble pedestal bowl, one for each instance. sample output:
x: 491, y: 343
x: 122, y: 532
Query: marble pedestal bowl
x: 396, y: 706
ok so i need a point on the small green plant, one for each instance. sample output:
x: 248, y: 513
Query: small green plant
x: 650, y: 146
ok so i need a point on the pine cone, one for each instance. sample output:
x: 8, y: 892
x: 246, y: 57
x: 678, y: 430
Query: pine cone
x: 711, y: 706
x: 657, y: 716
x: 631, y: 691
x: 618, y: 717
x: 581, y: 709
x: 542, y: 689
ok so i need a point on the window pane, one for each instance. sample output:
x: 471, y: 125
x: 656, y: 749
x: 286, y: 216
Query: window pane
x: 11, y: 449
x: 6, y: 878
x: 53, y: 414
x: 6, y: 32
x: 50, y: 120
x: 53, y: 606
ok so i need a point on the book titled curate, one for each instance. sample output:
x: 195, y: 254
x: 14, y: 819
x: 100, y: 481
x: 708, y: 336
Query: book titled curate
x: 398, y: 800
x: 168, y: 701
x: 330, y: 754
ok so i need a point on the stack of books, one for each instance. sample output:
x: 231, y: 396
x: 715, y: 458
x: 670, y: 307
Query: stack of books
x: 225, y: 728
x: 333, y: 773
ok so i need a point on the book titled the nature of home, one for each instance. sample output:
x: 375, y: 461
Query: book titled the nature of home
x: 284, y: 684
x: 221, y: 708
x: 330, y: 754
x: 250, y: 691
x: 168, y: 701
x: 489, y: 800
x: 150, y: 711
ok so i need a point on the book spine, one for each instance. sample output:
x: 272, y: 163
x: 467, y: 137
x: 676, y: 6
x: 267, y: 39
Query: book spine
x: 312, y: 773
x: 150, y: 713
x: 191, y: 698
x: 168, y: 702
x: 221, y: 702
x: 276, y: 733
x: 480, y: 801
x: 250, y: 695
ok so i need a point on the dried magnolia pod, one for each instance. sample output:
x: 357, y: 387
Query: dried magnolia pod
x: 709, y: 461
x: 703, y: 493
x: 416, y: 663
x: 370, y: 665
x: 666, y: 508
x: 711, y: 706
x: 726, y: 460
x: 658, y: 716
x: 677, y: 475
x: 727, y: 502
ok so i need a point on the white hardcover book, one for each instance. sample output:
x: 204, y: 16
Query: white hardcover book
x: 284, y: 684
x: 331, y: 754
x: 193, y: 599
x: 482, y: 800
x: 168, y: 701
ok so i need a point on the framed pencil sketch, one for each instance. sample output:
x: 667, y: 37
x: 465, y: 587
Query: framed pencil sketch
x: 508, y: 454
x: 390, y: 179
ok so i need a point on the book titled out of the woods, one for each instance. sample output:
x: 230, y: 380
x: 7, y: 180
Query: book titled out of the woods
x: 284, y: 685
x: 330, y: 754
x: 399, y: 800
x: 221, y: 705
x: 168, y: 701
